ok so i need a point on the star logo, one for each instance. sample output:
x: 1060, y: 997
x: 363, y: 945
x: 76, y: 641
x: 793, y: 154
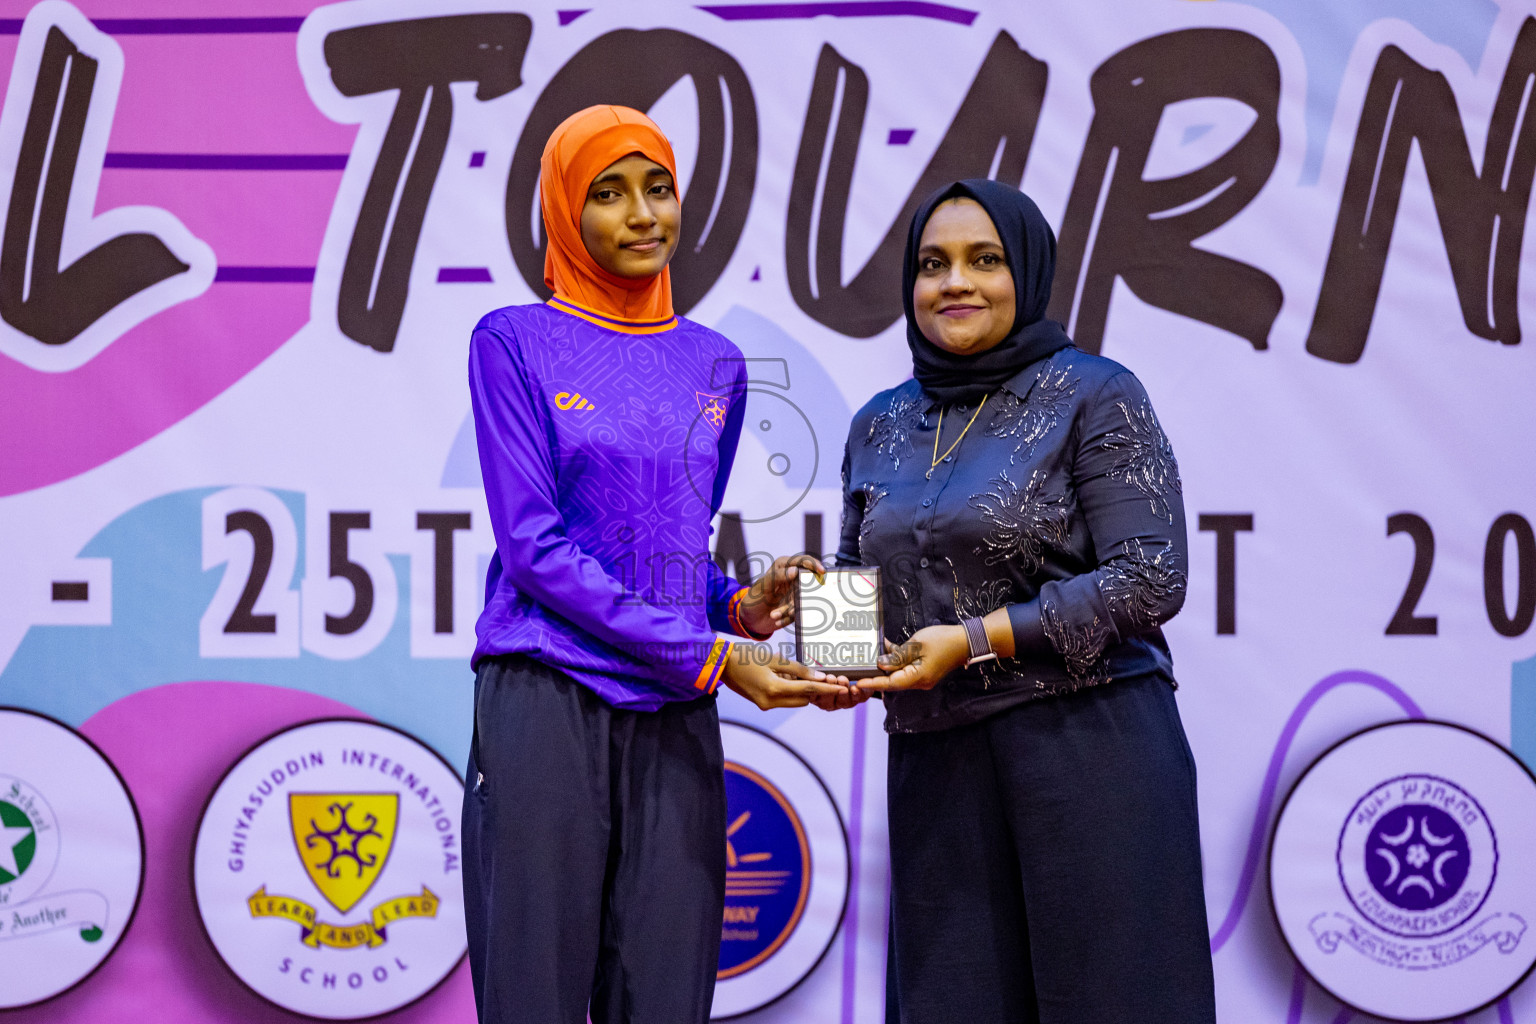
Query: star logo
x: 18, y: 842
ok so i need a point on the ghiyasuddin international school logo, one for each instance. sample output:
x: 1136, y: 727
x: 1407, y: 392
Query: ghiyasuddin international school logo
x: 71, y: 858
x: 328, y: 869
x: 344, y: 841
x: 1396, y: 894
x: 786, y: 879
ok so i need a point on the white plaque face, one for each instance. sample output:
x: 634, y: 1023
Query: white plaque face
x: 838, y: 626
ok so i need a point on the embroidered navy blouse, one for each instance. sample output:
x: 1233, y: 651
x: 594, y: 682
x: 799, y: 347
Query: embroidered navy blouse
x: 1062, y: 503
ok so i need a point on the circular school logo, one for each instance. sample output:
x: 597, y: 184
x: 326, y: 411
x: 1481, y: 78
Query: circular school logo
x: 1417, y: 855
x: 1388, y: 879
x: 327, y: 869
x: 71, y: 858
x: 786, y: 878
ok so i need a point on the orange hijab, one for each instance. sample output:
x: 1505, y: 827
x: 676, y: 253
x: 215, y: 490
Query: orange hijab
x: 578, y: 151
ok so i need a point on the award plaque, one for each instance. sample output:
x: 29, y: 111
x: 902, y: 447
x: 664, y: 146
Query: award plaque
x: 838, y: 626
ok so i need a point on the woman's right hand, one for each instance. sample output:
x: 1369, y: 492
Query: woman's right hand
x: 921, y: 663
x: 770, y: 681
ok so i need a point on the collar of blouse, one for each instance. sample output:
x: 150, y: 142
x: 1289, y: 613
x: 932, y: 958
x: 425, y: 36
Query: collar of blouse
x: 1018, y: 385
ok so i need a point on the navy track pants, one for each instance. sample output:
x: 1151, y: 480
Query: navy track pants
x: 594, y: 844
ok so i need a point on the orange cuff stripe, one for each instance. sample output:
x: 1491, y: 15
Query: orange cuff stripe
x: 714, y: 682
x: 709, y: 675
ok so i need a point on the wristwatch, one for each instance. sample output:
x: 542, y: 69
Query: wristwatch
x: 976, y: 639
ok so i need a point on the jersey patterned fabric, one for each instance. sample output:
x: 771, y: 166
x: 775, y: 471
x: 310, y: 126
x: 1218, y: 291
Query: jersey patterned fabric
x: 605, y: 446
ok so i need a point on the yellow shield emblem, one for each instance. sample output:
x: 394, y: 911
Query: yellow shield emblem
x: 344, y: 840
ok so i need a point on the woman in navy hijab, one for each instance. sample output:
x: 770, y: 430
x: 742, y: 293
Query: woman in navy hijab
x: 1025, y: 509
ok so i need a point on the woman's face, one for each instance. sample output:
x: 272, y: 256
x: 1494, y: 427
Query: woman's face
x: 963, y: 296
x: 631, y: 218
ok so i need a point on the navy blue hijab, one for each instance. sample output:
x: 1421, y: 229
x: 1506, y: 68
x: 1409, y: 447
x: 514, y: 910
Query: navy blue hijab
x: 1030, y: 247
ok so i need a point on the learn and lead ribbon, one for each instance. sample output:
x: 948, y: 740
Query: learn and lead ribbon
x: 317, y: 933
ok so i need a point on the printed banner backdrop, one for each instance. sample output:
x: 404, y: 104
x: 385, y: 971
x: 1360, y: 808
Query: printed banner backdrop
x: 241, y: 258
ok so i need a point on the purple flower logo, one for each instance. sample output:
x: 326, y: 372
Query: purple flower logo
x: 1417, y: 856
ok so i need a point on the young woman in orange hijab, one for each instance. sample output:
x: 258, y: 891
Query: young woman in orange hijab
x: 594, y: 819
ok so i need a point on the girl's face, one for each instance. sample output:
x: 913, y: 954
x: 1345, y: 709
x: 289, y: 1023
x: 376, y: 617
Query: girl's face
x: 631, y: 218
x: 963, y: 296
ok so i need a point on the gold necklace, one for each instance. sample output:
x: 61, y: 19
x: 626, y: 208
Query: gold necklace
x: 937, y: 458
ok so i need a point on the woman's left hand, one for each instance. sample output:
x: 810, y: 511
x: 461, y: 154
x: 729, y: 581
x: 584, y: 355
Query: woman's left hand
x: 770, y: 604
x: 932, y: 653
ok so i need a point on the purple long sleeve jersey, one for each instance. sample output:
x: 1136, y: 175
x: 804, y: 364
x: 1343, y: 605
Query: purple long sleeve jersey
x: 605, y: 448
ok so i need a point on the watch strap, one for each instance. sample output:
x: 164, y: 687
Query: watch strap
x: 977, y: 640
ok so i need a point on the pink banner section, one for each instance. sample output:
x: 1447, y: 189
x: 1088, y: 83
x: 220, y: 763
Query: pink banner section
x: 214, y: 126
x: 219, y: 93
x: 191, y: 352
x: 201, y: 9
x: 263, y: 218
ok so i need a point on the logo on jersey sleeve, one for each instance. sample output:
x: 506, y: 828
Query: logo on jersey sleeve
x: 712, y: 409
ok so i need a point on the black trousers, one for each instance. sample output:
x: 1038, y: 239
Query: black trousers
x: 1045, y: 867
x: 594, y: 841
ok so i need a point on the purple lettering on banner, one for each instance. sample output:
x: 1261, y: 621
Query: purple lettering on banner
x: 463, y: 275
x: 842, y: 9
x: 266, y: 275
x: 900, y: 136
x: 227, y: 161
x: 197, y: 26
x: 566, y: 17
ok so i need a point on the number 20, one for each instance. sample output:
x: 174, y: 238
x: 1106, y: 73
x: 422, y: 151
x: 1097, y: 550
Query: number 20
x: 1406, y: 623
